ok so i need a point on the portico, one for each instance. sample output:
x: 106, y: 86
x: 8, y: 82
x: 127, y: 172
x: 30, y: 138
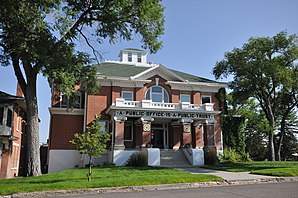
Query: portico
x: 162, y: 126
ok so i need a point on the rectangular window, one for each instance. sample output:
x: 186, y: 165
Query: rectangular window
x: 103, y: 126
x: 18, y: 120
x: 127, y: 95
x: 75, y: 100
x: 63, y: 100
x: 184, y: 98
x: 129, y: 58
x: 139, y: 58
x: 206, y: 99
x: 1, y: 115
x: 15, y: 156
x: 9, y: 118
x: 128, y: 131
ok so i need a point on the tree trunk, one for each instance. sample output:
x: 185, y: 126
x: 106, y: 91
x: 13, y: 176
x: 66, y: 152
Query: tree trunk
x: 271, y: 136
x: 271, y: 147
x: 281, y: 138
x: 33, y: 156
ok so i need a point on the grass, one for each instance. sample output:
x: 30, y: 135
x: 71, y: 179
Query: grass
x: 278, y: 168
x: 101, y: 177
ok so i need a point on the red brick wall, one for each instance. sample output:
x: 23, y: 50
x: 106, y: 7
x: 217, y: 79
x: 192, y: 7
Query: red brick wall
x: 119, y: 133
x: 140, y: 93
x: 198, y: 137
x: 116, y: 93
x: 11, y: 156
x: 196, y: 97
x: 175, y: 96
x: 63, y: 128
x: 177, y: 133
x: 98, y: 104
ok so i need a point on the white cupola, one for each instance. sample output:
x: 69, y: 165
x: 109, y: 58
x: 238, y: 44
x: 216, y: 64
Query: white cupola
x: 133, y: 56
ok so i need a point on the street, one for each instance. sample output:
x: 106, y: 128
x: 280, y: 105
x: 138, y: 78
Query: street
x: 274, y: 190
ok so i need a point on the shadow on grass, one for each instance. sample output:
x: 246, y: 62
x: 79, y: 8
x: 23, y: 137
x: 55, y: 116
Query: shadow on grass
x: 252, y: 166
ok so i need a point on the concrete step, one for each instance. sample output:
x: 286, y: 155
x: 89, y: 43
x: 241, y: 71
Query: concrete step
x: 173, y: 158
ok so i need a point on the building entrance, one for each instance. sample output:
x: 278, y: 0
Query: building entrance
x: 159, y: 136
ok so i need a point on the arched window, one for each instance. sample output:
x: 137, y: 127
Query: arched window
x: 157, y: 94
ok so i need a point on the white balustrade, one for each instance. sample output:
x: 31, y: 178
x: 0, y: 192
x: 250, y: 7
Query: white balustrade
x: 120, y: 102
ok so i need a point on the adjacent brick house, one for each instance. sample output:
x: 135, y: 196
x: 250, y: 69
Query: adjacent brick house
x: 12, y: 128
x: 145, y: 106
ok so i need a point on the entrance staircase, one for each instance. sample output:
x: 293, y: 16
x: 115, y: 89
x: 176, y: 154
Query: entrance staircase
x: 173, y: 158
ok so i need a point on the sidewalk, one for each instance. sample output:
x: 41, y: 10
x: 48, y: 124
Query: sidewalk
x: 228, y: 176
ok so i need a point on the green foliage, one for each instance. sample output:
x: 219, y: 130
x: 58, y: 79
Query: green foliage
x: 138, y: 159
x: 230, y: 156
x: 92, y: 142
x: 40, y: 37
x: 233, y: 129
x: 210, y: 156
x: 265, y: 69
x: 255, y: 128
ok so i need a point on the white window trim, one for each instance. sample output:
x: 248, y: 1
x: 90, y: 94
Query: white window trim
x: 129, y: 57
x: 132, y: 98
x: 207, y: 96
x: 61, y: 96
x: 139, y: 57
x: 187, y: 96
x: 18, y: 121
x: 162, y: 93
x: 130, y: 132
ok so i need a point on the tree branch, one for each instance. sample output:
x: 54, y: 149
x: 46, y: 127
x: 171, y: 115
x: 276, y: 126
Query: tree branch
x: 89, y: 44
x: 18, y: 73
x: 73, y: 29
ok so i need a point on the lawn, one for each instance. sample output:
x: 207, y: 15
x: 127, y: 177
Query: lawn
x: 280, y: 169
x: 102, y: 177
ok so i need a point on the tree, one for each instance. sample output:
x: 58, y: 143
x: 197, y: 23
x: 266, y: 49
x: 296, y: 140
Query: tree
x: 256, y: 129
x: 92, y: 142
x: 287, y: 143
x: 288, y: 100
x: 40, y: 37
x: 261, y: 70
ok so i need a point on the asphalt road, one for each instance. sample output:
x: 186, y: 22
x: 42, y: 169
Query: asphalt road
x: 274, y: 190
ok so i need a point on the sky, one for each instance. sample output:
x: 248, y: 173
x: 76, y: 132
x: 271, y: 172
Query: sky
x: 197, y: 34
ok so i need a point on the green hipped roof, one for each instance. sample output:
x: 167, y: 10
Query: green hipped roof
x: 125, y: 70
x: 118, y: 70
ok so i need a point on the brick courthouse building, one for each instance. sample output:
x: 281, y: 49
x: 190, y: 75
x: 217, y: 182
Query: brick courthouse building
x: 146, y: 107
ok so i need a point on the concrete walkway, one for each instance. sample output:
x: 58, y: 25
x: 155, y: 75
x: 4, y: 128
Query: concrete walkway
x: 228, y: 176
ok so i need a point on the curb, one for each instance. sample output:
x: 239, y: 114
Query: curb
x: 149, y: 187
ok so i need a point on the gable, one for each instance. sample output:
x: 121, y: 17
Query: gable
x: 160, y: 71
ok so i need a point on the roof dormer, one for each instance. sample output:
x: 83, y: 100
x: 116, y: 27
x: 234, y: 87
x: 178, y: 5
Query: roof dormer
x: 133, y: 56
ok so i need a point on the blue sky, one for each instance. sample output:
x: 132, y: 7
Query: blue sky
x: 197, y: 34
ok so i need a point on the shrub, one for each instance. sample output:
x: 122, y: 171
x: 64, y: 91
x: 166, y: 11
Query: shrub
x: 231, y: 156
x: 210, y: 156
x: 138, y: 159
x: 245, y: 157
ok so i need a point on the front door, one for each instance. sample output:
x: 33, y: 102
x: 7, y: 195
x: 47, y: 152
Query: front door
x: 157, y: 138
x: 159, y: 135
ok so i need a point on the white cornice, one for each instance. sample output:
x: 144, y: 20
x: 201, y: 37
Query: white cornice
x: 197, y: 86
x: 65, y: 111
x: 122, y: 82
